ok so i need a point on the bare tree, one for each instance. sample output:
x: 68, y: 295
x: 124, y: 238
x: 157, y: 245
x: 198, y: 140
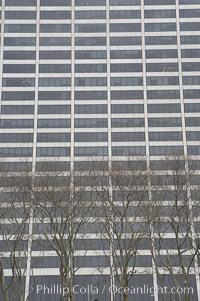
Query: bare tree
x: 15, y: 213
x: 175, y: 244
x: 64, y: 206
x: 122, y: 224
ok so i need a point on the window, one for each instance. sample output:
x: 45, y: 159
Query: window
x: 15, y: 166
x: 53, y: 152
x: 127, y: 108
x: 161, y: 67
x: 164, y: 13
x: 90, y: 151
x: 126, y: 81
x: 192, y: 121
x: 90, y: 109
x: 91, y: 137
x: 90, y: 28
x: 127, y: 122
x: 156, y: 27
x: 55, y: 41
x: 125, y: 54
x: 159, y: 2
x: 125, y: 14
x: 54, y: 68
x: 164, y: 108
x: 128, y: 151
x: 165, y: 122
x: 125, y: 27
x: 19, y: 82
x: 191, y: 94
x: 193, y: 136
x: 91, y: 123
x: 13, y: 110
x: 189, y: 1
x: 18, y: 15
x: 19, y: 55
x: 193, y: 150
x: 55, y: 28
x: 57, y: 3
x: 124, y: 94
x: 165, y: 136
x: 55, y: 55
x: 90, y: 81
x: 57, y: 109
x: 90, y: 14
x: 16, y: 138
x: 54, y: 81
x: 19, y: 68
x: 54, y: 123
x: 16, y: 152
x: 19, y: 41
x: 190, y: 53
x: 90, y: 54
x: 20, y: 28
x: 190, y: 39
x: 53, y: 137
x: 90, y: 2
x: 163, y: 40
x: 165, y: 53
x: 192, y: 107
x: 166, y: 150
x: 90, y: 95
x: 191, y: 66
x: 127, y: 136
x: 124, y: 2
x: 90, y: 68
x: 189, y: 13
x: 54, y: 95
x: 114, y: 41
x: 162, y: 80
x: 55, y: 15
x: 21, y: 2
x: 190, y: 26
x: 16, y: 123
x: 18, y: 95
x: 92, y: 41
x: 126, y: 67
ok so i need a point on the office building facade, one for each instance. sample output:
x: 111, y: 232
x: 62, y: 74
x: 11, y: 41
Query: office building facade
x: 97, y: 80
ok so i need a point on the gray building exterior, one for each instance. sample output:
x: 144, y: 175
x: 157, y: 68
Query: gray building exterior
x: 86, y: 81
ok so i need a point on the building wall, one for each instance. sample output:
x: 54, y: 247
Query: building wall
x: 98, y: 80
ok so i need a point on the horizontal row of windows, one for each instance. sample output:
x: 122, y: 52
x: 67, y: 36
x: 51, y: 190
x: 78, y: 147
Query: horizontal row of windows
x: 96, y: 2
x: 99, y: 122
x: 100, y: 41
x: 17, y: 138
x: 86, y: 54
x: 100, y: 14
x: 43, y: 82
x: 121, y: 67
x: 90, y: 109
x: 97, y: 151
x: 99, y: 165
x: 99, y: 109
x: 43, y: 68
x: 31, y: 55
x: 94, y: 28
x: 34, y: 3
x: 30, y: 15
x: 95, y: 54
x: 53, y: 137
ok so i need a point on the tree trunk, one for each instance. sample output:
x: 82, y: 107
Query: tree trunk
x: 124, y: 297
x: 4, y: 291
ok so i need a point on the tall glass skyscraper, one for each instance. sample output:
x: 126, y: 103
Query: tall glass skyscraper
x: 86, y: 81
